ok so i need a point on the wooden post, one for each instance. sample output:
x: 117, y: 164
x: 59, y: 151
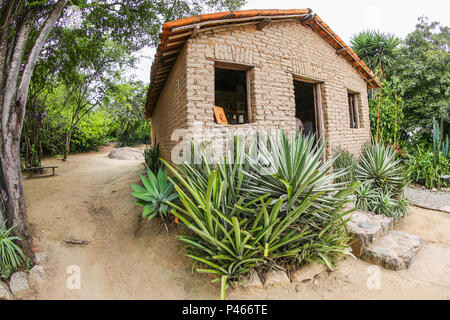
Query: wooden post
x: 395, y: 123
x: 378, y: 118
x: 319, y: 116
x: 355, y: 107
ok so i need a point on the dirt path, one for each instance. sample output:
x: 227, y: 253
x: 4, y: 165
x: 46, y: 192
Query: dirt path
x: 89, y: 199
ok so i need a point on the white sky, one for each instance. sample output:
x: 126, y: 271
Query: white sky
x: 345, y: 17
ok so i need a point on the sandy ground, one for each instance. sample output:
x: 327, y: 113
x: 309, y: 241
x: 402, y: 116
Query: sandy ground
x: 89, y: 199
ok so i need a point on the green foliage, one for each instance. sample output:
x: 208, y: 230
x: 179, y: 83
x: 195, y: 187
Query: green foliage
x: 379, y: 166
x: 391, y: 110
x: 445, y: 146
x: 91, y: 133
x: 151, y: 156
x: 155, y: 194
x: 423, y: 170
x: 243, y: 215
x: 424, y: 77
x: 11, y: 256
x: 378, y: 50
x: 345, y: 161
x: 383, y: 180
x: 124, y: 105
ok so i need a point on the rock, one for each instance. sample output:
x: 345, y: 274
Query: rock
x: 433, y: 190
x: 19, y: 284
x: 308, y: 272
x: 276, y: 278
x: 37, y: 274
x: 367, y: 227
x: 395, y: 251
x: 5, y: 294
x: 40, y: 257
x: 126, y: 154
x: 76, y: 241
x: 251, y: 281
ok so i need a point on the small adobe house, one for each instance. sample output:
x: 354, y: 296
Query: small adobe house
x: 266, y: 69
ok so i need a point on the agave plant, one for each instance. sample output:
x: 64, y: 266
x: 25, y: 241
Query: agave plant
x: 230, y: 240
x: 155, y: 194
x: 365, y: 195
x: 378, y: 166
x: 11, y: 256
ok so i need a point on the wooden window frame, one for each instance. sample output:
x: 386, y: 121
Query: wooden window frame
x: 353, y: 108
x: 239, y: 67
x: 318, y: 110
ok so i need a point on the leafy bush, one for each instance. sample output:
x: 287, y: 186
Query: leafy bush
x: 151, y: 156
x: 136, y: 133
x: 155, y: 194
x: 11, y: 256
x: 423, y: 170
x: 345, y: 161
x: 244, y: 215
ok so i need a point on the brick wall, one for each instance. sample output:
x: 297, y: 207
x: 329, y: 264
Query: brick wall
x: 278, y: 53
x: 170, y: 111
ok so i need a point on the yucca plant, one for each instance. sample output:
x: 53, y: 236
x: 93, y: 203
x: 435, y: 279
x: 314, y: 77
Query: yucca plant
x: 155, y: 194
x: 378, y: 166
x: 11, y: 255
x: 296, y: 172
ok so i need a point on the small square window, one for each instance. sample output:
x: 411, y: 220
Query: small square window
x: 353, y: 110
x: 230, y: 93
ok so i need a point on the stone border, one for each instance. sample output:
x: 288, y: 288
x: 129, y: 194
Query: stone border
x: 280, y: 278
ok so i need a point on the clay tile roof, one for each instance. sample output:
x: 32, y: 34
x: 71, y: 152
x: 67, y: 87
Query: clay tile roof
x: 176, y: 33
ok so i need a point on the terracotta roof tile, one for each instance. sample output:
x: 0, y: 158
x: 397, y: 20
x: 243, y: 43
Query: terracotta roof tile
x: 175, y: 34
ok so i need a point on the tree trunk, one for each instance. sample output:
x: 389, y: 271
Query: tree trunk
x: 15, y: 200
x: 67, y: 144
x: 13, y: 102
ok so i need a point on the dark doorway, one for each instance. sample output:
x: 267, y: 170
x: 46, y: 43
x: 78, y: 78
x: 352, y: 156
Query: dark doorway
x: 305, y: 108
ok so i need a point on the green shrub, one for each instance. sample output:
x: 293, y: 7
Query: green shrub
x: 155, y: 194
x: 345, y: 161
x: 423, y: 170
x: 243, y: 215
x: 11, y: 256
x: 151, y: 157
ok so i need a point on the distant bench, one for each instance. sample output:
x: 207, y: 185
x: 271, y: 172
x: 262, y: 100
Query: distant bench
x: 41, y: 169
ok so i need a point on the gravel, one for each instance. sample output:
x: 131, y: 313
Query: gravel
x: 427, y: 198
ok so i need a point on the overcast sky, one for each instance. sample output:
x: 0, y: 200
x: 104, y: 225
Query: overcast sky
x: 345, y: 18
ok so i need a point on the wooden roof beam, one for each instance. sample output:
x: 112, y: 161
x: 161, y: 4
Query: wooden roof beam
x: 261, y: 25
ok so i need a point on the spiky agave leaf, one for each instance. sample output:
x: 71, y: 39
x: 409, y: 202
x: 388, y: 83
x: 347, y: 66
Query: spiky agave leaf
x: 155, y: 194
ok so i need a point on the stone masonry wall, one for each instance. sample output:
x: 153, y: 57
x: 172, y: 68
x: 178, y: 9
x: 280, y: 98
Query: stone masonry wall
x: 277, y: 53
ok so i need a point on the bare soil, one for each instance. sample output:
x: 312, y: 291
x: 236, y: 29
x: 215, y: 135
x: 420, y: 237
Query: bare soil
x: 89, y: 200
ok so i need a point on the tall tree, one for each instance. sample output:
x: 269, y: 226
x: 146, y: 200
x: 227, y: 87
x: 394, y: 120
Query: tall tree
x: 378, y: 50
x: 423, y: 75
x: 24, y: 29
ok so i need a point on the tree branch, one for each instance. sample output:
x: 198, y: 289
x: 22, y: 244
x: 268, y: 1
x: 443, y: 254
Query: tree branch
x: 34, y: 54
